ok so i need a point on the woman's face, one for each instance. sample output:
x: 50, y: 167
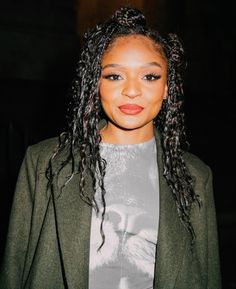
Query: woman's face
x: 133, y: 82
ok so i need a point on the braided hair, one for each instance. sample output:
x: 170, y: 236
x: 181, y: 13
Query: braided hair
x: 84, y: 114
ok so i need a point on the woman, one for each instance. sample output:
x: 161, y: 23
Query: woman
x: 116, y: 203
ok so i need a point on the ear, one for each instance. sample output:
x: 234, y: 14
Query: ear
x: 166, y: 92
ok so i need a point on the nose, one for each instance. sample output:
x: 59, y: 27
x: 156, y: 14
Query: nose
x: 131, y: 88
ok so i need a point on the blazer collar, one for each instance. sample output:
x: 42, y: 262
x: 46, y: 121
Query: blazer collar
x: 172, y: 235
x: 74, y: 219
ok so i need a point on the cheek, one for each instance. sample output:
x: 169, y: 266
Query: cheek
x: 105, y: 98
x: 156, y: 106
x: 156, y: 102
x: 101, y: 90
x: 157, y: 97
x: 109, y: 95
x: 102, y: 94
x: 104, y: 90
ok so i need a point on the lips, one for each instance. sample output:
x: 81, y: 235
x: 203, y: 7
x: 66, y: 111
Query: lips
x: 131, y: 109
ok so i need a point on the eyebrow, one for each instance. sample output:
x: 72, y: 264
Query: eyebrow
x: 113, y: 65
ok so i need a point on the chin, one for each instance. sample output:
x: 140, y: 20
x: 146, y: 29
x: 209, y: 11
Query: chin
x: 130, y: 124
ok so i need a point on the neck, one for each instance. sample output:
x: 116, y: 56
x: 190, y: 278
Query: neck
x: 116, y: 135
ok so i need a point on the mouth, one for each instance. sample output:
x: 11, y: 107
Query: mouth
x: 130, y: 109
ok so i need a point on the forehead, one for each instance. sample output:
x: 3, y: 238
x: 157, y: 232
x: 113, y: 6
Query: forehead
x: 127, y: 47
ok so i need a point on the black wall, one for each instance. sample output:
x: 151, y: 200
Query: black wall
x: 38, y: 50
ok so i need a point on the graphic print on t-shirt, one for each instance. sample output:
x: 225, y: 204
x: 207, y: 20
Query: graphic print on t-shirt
x: 127, y: 258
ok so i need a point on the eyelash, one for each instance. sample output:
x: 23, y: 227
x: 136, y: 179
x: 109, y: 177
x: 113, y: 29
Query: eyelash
x: 147, y: 77
x: 112, y: 77
x: 152, y: 77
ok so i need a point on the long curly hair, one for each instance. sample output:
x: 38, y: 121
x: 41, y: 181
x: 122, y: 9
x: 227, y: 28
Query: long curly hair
x: 84, y: 114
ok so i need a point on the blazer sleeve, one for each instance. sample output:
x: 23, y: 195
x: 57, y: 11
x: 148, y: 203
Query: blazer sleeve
x: 12, y: 269
x: 214, y: 275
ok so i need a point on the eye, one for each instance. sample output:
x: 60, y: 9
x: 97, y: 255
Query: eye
x: 151, y: 77
x: 112, y: 77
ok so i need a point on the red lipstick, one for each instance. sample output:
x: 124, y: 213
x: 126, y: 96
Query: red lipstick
x: 131, y: 109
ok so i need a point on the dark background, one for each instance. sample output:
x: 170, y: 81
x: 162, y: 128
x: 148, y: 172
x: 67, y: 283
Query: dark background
x: 39, y: 44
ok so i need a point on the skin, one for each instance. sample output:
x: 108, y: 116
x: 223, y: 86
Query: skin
x: 132, y: 87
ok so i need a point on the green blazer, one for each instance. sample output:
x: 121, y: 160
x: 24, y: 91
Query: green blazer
x: 48, y: 239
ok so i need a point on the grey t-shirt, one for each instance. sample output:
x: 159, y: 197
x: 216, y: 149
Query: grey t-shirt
x: 127, y: 259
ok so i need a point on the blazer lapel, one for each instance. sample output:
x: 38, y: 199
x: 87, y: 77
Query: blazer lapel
x: 73, y: 217
x: 172, y: 235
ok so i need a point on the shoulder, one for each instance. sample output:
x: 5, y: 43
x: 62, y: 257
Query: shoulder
x: 202, y: 177
x: 197, y: 167
x: 44, y: 147
x: 40, y: 153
